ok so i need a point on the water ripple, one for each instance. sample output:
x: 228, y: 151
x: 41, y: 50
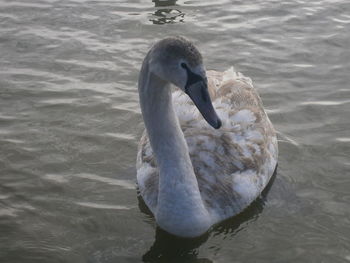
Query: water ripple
x: 103, y: 206
x: 122, y: 183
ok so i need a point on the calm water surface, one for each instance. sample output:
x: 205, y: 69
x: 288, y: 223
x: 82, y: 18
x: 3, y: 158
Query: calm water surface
x: 70, y: 123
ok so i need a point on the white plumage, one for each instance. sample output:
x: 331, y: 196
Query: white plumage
x: 189, y: 174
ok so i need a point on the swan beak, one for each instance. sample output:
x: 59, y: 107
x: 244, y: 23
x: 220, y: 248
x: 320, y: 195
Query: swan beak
x: 198, y: 92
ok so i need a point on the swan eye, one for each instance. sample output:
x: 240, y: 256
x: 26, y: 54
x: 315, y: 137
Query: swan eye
x: 183, y: 65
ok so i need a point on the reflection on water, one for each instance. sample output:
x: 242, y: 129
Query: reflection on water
x: 166, y: 15
x: 169, y: 248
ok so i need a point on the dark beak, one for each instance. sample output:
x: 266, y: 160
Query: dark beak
x: 199, y: 94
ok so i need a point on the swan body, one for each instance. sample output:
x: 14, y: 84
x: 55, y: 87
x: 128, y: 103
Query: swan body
x: 192, y: 175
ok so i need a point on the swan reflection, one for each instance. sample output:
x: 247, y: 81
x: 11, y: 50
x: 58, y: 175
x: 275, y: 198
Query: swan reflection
x: 169, y: 248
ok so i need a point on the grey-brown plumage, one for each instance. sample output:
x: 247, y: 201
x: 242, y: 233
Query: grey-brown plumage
x: 227, y: 153
x: 231, y: 165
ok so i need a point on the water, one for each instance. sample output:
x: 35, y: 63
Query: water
x: 70, y: 123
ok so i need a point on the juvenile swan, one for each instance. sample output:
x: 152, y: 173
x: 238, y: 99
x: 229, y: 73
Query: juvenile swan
x: 192, y: 175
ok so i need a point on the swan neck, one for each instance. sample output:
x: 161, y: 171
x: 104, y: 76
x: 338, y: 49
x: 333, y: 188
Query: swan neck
x: 162, y: 125
x: 180, y: 209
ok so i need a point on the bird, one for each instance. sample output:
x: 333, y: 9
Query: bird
x: 208, y: 149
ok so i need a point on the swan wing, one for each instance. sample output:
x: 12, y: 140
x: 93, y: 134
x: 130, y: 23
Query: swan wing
x: 232, y: 164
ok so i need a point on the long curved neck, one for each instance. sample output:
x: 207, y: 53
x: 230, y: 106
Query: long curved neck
x: 179, y: 201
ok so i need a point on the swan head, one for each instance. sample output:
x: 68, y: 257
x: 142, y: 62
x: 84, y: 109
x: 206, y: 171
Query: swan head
x: 178, y: 61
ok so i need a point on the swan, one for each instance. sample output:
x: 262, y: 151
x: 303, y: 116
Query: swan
x: 192, y: 175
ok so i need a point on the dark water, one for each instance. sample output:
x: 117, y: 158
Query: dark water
x: 70, y: 124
